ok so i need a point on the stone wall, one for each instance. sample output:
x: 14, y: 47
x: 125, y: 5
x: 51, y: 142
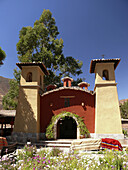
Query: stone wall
x: 21, y: 137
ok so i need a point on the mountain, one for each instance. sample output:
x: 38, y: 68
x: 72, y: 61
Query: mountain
x: 122, y: 101
x: 4, y: 87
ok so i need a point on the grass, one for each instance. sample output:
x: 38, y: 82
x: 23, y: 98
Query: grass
x: 31, y: 158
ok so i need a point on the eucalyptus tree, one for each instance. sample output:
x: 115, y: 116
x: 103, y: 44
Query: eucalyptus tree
x: 2, y: 56
x: 40, y: 43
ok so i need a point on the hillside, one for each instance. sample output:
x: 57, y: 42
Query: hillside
x: 4, y: 87
x: 122, y: 101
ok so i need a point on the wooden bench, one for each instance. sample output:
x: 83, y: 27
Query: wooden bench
x: 10, y: 149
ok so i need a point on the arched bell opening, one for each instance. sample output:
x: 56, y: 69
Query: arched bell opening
x: 105, y: 75
x: 29, y: 77
x: 66, y: 128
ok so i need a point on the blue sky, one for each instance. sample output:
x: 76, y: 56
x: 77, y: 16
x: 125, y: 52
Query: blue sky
x: 89, y: 29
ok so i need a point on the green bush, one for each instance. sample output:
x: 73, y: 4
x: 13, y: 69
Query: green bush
x: 81, y: 125
x: 124, y: 132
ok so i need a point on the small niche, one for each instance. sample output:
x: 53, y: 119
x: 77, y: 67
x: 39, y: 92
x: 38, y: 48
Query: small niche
x: 29, y: 77
x: 105, y: 75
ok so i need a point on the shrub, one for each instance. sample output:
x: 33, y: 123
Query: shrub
x: 81, y: 125
x: 124, y: 132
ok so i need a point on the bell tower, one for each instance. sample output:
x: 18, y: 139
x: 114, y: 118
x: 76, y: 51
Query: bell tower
x: 27, y: 120
x: 107, y: 112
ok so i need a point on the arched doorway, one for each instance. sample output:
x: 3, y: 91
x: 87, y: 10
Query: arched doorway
x: 66, y: 128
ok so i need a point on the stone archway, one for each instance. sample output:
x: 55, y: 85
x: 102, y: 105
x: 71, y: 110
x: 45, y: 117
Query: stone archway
x: 68, y: 129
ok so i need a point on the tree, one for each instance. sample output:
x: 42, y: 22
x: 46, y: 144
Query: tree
x: 10, y: 100
x: 124, y: 110
x: 40, y: 44
x: 2, y: 56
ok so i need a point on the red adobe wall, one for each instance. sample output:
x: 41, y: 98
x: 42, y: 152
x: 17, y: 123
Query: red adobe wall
x: 53, y: 104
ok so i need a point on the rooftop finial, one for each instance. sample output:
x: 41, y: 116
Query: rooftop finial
x: 102, y: 56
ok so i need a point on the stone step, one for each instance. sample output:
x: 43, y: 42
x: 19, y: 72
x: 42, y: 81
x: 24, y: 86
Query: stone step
x: 56, y: 142
x: 55, y: 145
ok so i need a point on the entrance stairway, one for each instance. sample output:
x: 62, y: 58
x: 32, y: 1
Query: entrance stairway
x: 66, y: 143
x: 59, y: 143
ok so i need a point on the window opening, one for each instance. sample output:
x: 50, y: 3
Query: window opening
x: 105, y: 75
x: 29, y: 77
x: 66, y: 102
x: 67, y: 84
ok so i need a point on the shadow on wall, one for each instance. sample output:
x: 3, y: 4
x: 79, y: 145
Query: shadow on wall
x: 24, y: 120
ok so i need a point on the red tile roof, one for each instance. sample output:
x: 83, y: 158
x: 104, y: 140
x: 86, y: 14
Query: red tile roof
x: 41, y: 65
x: 93, y: 63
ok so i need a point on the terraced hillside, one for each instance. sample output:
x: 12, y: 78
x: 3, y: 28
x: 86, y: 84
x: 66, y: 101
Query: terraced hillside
x: 4, y: 87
